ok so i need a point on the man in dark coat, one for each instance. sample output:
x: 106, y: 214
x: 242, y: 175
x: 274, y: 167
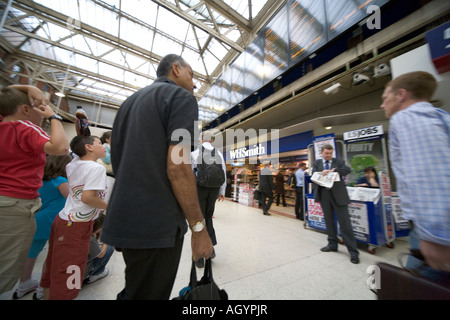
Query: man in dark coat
x: 335, y: 199
x: 266, y: 186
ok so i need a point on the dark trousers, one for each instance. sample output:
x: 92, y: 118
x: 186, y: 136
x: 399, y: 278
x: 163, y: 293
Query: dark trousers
x: 281, y: 195
x: 328, y: 204
x: 207, y: 198
x: 299, y: 203
x: 150, y: 273
x: 266, y: 203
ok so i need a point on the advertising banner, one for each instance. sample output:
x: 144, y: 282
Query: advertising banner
x: 316, y: 219
x: 364, y: 148
x: 322, y: 140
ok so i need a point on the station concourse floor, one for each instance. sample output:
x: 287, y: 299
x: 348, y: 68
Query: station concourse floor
x: 263, y: 258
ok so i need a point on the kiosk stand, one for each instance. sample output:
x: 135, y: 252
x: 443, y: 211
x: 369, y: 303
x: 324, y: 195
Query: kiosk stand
x: 373, y: 218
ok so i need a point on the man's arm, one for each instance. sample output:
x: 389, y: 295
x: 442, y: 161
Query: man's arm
x: 342, y: 168
x: 182, y: 179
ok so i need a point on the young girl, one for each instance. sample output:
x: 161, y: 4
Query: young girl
x: 53, y: 195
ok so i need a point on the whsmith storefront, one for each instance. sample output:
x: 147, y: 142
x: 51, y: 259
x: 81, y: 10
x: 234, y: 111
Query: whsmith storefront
x: 244, y: 160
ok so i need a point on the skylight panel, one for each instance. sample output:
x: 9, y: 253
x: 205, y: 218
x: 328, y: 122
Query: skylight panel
x: 172, y: 24
x: 164, y: 46
x: 145, y: 11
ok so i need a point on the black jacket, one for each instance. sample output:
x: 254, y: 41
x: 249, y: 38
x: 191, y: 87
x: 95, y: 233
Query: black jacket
x: 266, y: 184
x: 339, y: 190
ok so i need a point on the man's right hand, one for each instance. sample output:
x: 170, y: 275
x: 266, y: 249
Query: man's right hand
x: 201, y: 244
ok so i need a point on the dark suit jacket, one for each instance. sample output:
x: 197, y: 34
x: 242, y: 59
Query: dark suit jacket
x: 266, y: 184
x: 339, y: 190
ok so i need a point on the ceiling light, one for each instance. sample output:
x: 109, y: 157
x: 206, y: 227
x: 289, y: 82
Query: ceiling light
x: 328, y: 128
x: 333, y: 89
x: 60, y: 94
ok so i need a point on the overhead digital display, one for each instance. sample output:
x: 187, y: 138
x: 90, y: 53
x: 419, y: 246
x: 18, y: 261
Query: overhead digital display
x: 237, y: 80
x: 254, y: 65
x: 276, y: 49
x: 298, y: 30
x: 343, y: 15
x: 307, y: 28
x: 225, y: 90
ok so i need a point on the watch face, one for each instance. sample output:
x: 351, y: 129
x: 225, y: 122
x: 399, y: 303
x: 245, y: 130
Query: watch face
x: 198, y: 227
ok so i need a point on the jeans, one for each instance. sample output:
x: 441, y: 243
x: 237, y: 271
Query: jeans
x: 99, y: 264
x: 416, y: 264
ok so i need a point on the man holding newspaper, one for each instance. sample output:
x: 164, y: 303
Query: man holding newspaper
x: 330, y: 191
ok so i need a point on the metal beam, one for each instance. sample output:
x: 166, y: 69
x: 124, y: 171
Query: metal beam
x: 175, y: 10
x: 229, y: 13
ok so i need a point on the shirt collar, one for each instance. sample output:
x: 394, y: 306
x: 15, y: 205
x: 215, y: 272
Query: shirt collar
x: 165, y: 79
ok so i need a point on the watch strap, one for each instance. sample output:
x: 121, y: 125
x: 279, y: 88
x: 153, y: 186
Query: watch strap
x: 55, y: 117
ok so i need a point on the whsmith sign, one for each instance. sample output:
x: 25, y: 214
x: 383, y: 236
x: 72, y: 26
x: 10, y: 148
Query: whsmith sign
x: 246, y: 152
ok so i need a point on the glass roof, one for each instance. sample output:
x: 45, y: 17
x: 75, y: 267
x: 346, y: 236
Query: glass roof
x: 109, y: 49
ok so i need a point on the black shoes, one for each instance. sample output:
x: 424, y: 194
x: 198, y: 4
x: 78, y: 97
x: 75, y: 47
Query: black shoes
x: 354, y: 257
x: 266, y: 213
x: 329, y: 249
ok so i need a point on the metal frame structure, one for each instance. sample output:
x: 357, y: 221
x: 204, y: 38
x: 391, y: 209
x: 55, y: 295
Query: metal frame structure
x: 35, y: 33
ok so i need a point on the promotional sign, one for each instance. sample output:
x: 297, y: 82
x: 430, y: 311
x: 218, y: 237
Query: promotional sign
x: 439, y: 42
x: 321, y: 141
x: 385, y: 185
x: 359, y: 220
x: 315, y: 215
x: 365, y: 148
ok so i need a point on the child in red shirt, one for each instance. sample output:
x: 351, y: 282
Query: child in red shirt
x: 23, y: 146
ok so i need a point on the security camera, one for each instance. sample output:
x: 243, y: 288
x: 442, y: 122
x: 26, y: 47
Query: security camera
x: 360, y: 78
x: 381, y: 70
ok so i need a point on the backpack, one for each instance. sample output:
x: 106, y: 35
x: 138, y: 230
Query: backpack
x: 209, y: 169
x: 292, y: 181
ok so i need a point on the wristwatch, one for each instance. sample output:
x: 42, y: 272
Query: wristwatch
x: 55, y: 116
x: 199, y: 226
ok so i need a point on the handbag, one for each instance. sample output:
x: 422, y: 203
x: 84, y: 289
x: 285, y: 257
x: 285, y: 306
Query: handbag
x: 257, y: 195
x: 407, y: 284
x: 205, y: 289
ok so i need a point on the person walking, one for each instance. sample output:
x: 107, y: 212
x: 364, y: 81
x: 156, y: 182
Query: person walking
x: 424, y: 194
x: 210, y: 170
x: 266, y: 186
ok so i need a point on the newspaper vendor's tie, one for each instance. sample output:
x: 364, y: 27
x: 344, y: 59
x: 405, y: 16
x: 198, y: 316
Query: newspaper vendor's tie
x: 327, y: 166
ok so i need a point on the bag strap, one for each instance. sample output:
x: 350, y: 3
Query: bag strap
x: 208, y: 270
x: 207, y: 274
x: 193, y: 281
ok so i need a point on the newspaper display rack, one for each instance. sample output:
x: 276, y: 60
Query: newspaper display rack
x: 372, y: 223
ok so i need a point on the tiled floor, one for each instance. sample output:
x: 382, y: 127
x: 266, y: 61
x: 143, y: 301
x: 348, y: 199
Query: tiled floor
x: 264, y: 258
